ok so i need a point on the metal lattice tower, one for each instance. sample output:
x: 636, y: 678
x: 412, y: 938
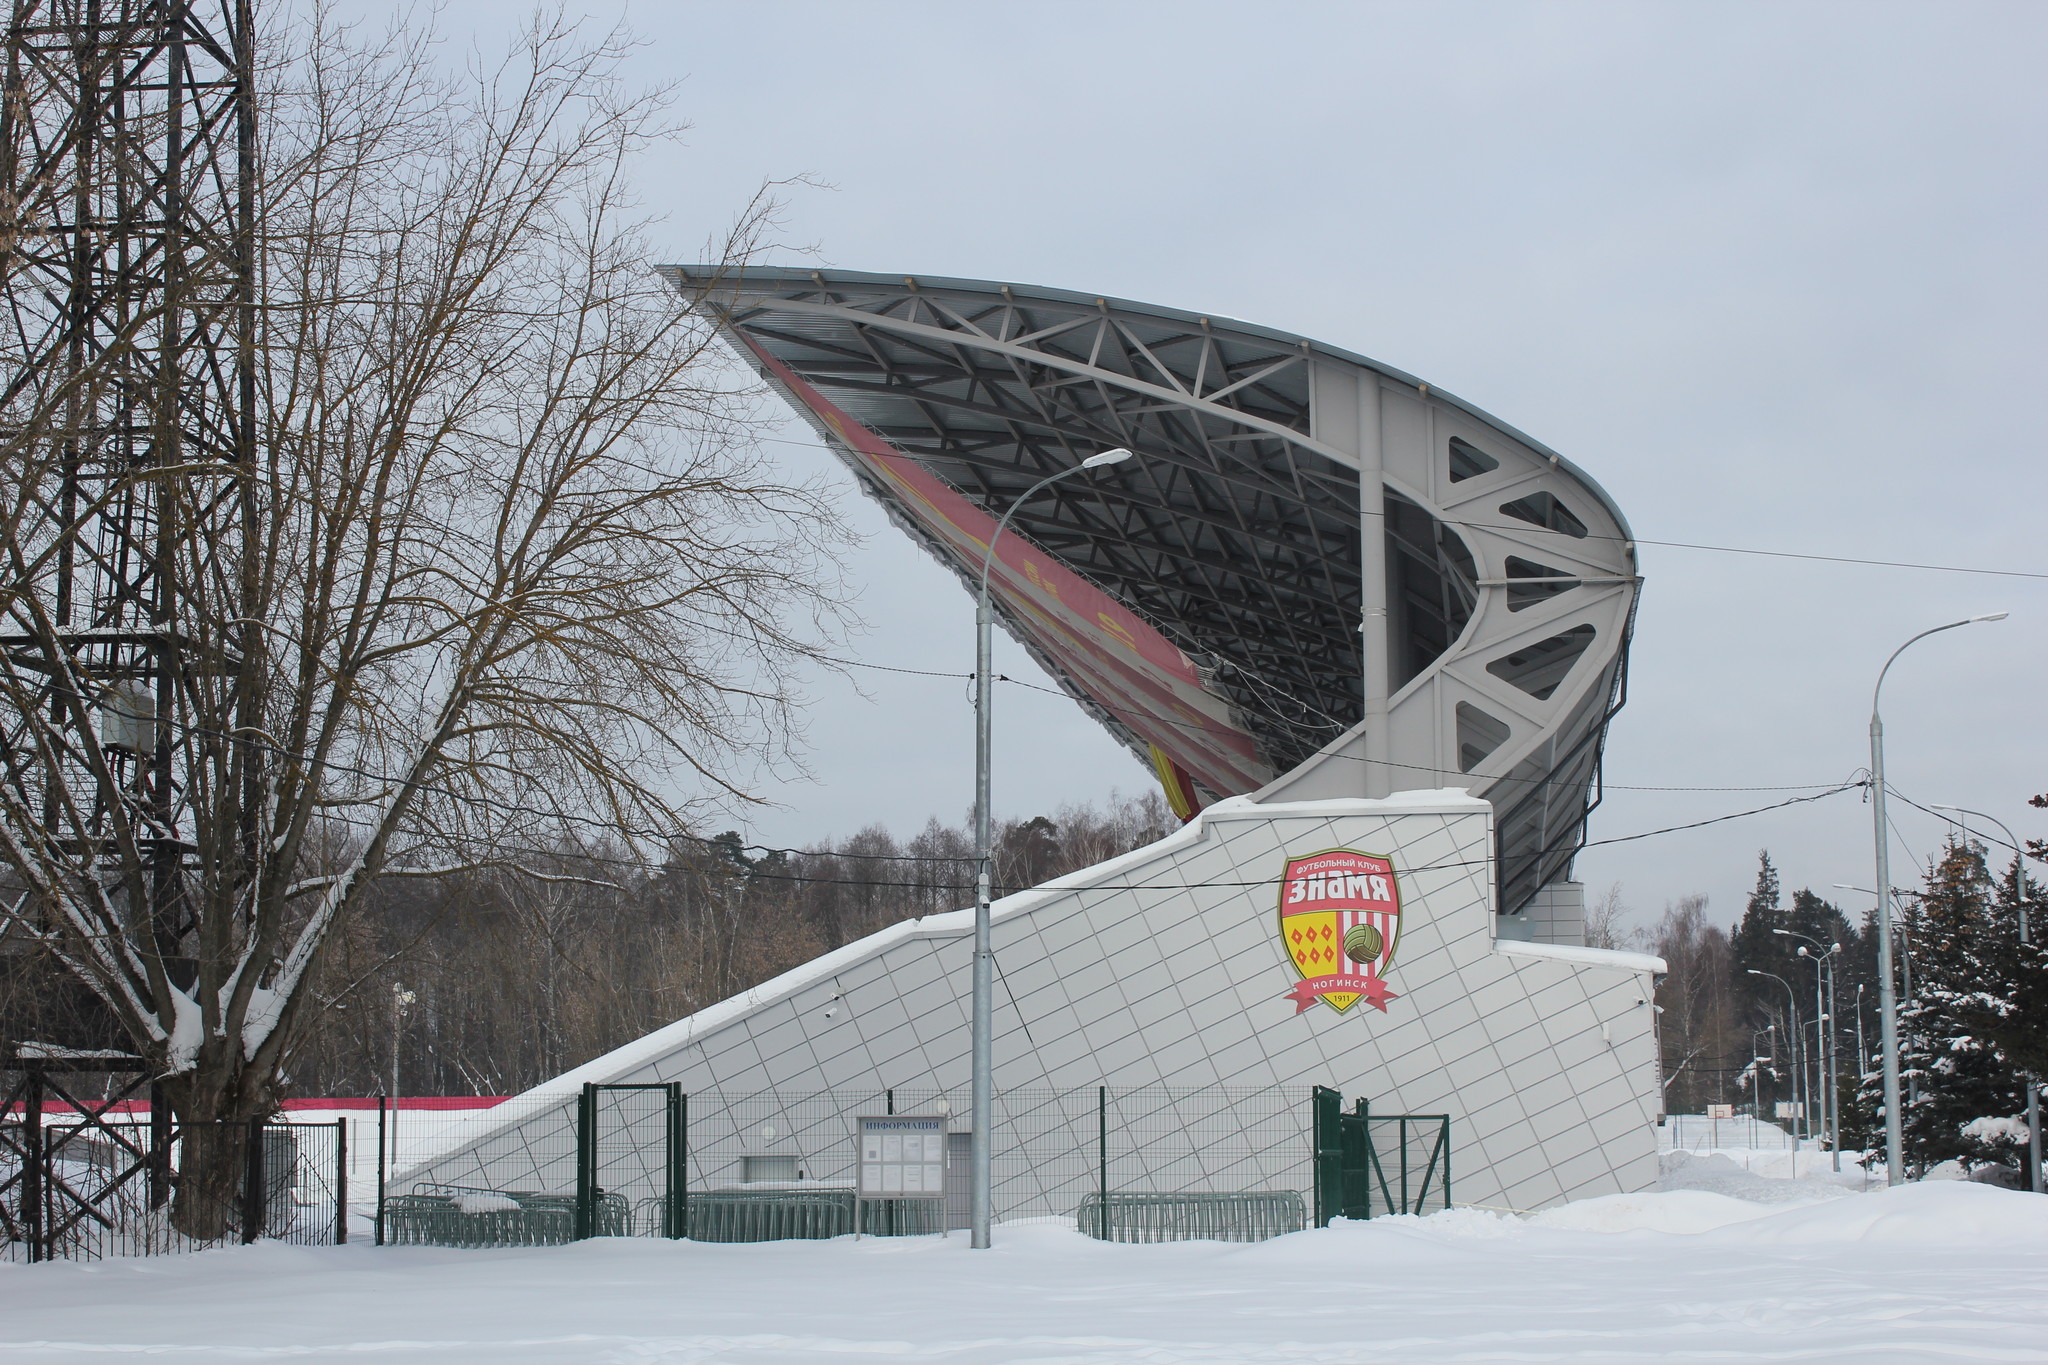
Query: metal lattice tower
x: 127, y: 205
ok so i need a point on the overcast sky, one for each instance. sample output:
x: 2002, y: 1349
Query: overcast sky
x: 1772, y: 274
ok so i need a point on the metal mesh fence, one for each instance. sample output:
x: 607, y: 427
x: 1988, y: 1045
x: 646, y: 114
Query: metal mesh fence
x: 84, y: 1187
x: 1053, y: 1148
x: 1173, y: 1162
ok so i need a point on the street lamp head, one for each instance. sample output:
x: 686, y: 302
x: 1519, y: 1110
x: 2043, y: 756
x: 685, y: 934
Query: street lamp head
x: 1117, y: 456
x: 1786, y: 932
x: 1991, y: 616
x: 1803, y: 952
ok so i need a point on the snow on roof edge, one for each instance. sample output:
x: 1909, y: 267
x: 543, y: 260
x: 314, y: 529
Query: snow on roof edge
x: 1584, y: 957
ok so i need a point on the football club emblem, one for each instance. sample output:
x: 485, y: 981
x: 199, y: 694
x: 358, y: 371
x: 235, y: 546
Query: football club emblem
x: 1340, y: 917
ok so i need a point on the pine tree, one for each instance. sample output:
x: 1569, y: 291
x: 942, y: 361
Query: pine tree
x: 2013, y: 1018
x: 1964, y: 1095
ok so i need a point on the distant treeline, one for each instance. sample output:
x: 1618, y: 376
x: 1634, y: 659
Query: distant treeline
x: 516, y: 976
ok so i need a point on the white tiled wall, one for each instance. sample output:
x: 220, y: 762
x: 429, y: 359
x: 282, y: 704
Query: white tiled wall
x: 1164, y: 967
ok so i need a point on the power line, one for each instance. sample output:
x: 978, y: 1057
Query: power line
x: 1674, y: 544
x: 668, y: 836
x: 1951, y: 818
x: 642, y: 864
x: 1840, y: 559
x: 1423, y: 768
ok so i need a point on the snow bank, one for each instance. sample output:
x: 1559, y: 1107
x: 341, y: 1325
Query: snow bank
x: 1932, y: 1215
x: 1942, y: 1271
x: 1771, y: 1181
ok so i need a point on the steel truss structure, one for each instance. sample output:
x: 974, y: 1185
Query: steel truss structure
x: 1321, y: 577
x: 127, y: 207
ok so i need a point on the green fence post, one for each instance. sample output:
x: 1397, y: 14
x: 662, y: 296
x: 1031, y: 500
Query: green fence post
x: 1357, y: 1127
x: 677, y: 1204
x: 1102, y: 1161
x: 380, y: 1169
x: 1327, y: 1150
x: 1446, y: 1140
x: 1407, y: 1195
x: 586, y: 1161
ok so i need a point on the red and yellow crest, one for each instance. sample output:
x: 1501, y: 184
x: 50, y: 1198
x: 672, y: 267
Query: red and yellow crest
x: 1340, y: 916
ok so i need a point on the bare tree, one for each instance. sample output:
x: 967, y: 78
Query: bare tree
x: 1699, y: 1028
x: 1607, y: 921
x: 503, y: 564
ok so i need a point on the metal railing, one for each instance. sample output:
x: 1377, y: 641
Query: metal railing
x: 1244, y: 1216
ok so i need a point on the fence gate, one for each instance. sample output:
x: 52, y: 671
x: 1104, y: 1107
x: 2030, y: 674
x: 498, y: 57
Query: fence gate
x: 84, y: 1177
x: 630, y: 1161
x: 1406, y: 1158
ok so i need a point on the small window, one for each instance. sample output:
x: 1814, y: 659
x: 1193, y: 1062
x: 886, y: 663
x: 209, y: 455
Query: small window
x: 1479, y: 734
x: 1543, y: 509
x: 1544, y: 582
x: 754, y: 1168
x: 1469, y: 461
x: 1537, y: 669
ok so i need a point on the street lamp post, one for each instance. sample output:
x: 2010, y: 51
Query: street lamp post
x: 2033, y: 1085
x: 1887, y: 1005
x: 1824, y: 1016
x: 401, y: 1001
x: 1798, y: 1064
x: 1862, y: 1048
x: 1756, y: 1074
x: 983, y: 1100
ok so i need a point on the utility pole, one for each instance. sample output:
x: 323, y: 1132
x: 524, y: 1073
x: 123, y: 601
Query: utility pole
x: 1887, y: 1004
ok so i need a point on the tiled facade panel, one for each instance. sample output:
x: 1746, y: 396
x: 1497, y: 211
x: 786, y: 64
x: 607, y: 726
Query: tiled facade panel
x: 1164, y: 966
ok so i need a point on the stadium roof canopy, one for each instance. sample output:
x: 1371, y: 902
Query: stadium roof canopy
x: 1320, y: 576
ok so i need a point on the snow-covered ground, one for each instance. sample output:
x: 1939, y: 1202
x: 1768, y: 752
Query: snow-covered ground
x: 1722, y: 1264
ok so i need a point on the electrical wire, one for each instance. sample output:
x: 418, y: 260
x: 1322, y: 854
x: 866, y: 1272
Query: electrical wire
x: 1674, y: 544
x: 614, y: 827
x: 1948, y: 818
x: 1424, y: 768
x: 753, y: 873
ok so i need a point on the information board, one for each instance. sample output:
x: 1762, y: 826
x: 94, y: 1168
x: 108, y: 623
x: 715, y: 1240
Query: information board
x: 902, y: 1156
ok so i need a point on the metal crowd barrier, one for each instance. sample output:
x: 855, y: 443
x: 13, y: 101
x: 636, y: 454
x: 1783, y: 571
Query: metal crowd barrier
x: 1243, y: 1216
x: 433, y: 1216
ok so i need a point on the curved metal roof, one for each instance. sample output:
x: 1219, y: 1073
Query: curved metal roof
x: 1205, y: 601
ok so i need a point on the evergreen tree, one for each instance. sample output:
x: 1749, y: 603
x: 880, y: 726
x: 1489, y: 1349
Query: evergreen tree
x: 1769, y: 940
x: 1763, y: 1005
x: 2013, y: 1017
x: 1963, y: 1095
